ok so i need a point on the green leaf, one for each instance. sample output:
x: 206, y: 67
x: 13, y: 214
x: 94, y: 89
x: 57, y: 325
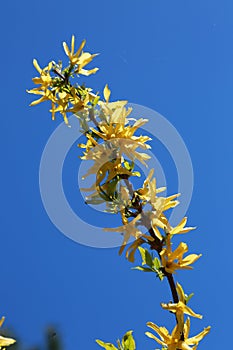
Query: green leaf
x: 141, y: 268
x: 143, y: 255
x: 96, y: 100
x: 107, y: 346
x: 128, y: 342
x: 146, y: 257
x: 156, y: 263
x: 188, y: 297
x: 160, y: 275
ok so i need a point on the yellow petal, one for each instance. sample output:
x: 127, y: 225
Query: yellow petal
x: 88, y: 72
x: 36, y: 102
x: 179, y: 251
x: 198, y: 337
x: 190, y: 259
x: 36, y: 65
x: 66, y: 49
x: 80, y: 48
x: 72, y: 44
x: 107, y: 93
x: 162, y: 331
x: 6, y: 341
x: 156, y: 231
x: 84, y: 59
x: 152, y: 336
x: 180, y: 307
x: 187, y: 328
x: 183, y: 346
x: 130, y: 252
x: 180, y: 292
x: 188, y: 311
x: 179, y: 227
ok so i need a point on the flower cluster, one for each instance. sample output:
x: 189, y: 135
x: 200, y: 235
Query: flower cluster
x: 55, y: 86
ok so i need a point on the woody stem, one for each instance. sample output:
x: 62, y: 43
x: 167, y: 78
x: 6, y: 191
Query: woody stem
x: 157, y: 245
x: 172, y: 287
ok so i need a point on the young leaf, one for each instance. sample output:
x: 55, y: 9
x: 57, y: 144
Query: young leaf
x: 128, y: 342
x: 160, y: 275
x: 146, y: 257
x: 106, y: 346
x: 156, y: 264
x: 141, y: 268
x: 188, y: 297
x: 143, y: 255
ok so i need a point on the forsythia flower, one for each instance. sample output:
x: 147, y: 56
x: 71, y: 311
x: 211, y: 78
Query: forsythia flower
x: 122, y: 139
x: 114, y: 129
x: 45, y: 78
x: 173, y: 260
x: 149, y: 189
x: 80, y: 58
x: 148, y: 194
x: 179, y: 229
x: 129, y: 229
x: 180, y: 309
x: 45, y: 81
x: 3, y: 340
x: 173, y: 341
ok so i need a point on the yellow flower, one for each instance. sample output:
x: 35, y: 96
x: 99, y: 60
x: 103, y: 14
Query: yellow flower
x: 173, y: 341
x: 46, y: 96
x: 180, y: 228
x: 128, y: 229
x: 3, y: 340
x: 62, y: 106
x: 148, y: 187
x: 113, y: 112
x: 45, y: 81
x: 80, y: 58
x: 173, y: 260
x: 180, y: 309
x: 114, y: 129
x: 148, y: 194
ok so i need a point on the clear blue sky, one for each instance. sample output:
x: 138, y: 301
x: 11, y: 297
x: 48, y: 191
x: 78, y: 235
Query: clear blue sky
x: 173, y: 56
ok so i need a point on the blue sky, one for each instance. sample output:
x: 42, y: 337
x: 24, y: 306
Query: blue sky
x: 175, y: 57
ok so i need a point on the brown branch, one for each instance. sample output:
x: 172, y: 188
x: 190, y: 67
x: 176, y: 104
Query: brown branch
x: 172, y: 287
